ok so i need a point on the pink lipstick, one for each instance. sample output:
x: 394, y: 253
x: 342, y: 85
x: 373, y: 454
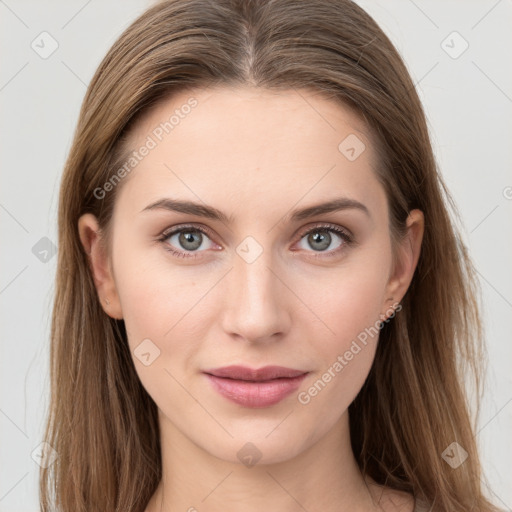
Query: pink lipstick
x: 255, y: 388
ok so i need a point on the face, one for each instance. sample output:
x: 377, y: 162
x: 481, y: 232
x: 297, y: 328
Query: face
x: 253, y: 275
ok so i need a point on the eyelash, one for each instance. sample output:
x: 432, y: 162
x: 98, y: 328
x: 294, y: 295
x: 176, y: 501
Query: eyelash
x: 347, y: 239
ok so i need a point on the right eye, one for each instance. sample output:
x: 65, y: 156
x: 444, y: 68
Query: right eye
x: 185, y: 240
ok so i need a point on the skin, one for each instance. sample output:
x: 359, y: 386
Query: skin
x: 256, y: 155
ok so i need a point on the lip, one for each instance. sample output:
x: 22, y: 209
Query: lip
x: 255, y: 388
x: 257, y: 374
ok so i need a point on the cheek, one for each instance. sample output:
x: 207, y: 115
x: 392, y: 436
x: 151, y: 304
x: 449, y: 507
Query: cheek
x: 349, y: 305
x: 168, y: 305
x: 350, y: 300
x: 154, y: 301
x: 154, y: 296
x: 161, y: 324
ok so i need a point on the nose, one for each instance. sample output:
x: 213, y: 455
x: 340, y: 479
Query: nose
x: 256, y: 303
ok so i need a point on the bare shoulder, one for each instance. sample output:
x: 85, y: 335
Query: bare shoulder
x: 390, y: 500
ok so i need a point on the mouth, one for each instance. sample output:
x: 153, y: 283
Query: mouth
x: 257, y: 375
x: 256, y: 388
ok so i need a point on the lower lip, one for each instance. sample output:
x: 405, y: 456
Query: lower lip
x: 255, y: 394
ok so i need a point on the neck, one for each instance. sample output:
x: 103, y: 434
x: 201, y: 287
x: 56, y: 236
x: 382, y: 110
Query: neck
x: 323, y: 477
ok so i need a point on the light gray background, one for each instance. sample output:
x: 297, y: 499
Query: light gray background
x: 468, y: 100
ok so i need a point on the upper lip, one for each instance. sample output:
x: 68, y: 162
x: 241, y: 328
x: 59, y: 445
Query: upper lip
x: 257, y: 374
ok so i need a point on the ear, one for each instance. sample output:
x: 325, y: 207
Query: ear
x: 407, y: 259
x: 90, y: 236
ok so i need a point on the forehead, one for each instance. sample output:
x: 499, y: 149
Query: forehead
x: 246, y: 115
x: 250, y: 144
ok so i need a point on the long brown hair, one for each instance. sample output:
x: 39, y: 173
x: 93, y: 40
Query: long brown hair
x: 414, y: 404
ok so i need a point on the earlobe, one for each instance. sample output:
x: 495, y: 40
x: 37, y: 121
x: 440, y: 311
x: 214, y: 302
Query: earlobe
x: 408, y: 256
x: 99, y: 264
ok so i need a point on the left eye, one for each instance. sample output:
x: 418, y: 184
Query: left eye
x: 321, y: 238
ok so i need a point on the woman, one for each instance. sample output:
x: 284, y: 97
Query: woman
x: 262, y: 302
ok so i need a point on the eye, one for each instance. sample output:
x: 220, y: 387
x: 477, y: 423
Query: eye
x: 325, y: 238
x: 184, y: 240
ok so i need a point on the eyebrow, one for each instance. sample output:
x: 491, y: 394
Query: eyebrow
x: 209, y: 212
